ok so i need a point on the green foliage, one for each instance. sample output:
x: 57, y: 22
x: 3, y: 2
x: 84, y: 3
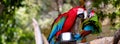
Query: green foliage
x: 15, y: 23
x: 8, y: 33
x: 102, y: 14
x: 112, y: 16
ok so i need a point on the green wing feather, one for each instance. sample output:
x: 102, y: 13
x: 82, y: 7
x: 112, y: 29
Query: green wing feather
x: 95, y: 22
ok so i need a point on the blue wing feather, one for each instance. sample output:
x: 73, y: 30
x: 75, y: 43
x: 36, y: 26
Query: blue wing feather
x: 88, y: 28
x: 56, y: 27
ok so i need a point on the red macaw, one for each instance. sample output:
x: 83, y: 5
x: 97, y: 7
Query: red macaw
x: 64, y: 22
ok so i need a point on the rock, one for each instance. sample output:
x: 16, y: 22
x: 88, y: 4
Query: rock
x: 116, y: 37
x: 105, y: 40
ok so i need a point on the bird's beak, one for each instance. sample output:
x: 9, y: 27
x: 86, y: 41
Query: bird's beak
x: 85, y: 14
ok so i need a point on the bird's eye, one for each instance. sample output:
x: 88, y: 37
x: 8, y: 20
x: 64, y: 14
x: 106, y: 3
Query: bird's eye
x: 80, y: 12
x: 81, y: 15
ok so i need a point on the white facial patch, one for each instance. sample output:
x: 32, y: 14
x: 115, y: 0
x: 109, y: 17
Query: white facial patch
x: 80, y: 10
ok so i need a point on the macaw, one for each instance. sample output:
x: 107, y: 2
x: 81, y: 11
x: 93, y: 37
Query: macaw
x: 89, y: 26
x: 64, y: 22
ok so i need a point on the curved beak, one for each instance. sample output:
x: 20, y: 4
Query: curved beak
x: 85, y: 14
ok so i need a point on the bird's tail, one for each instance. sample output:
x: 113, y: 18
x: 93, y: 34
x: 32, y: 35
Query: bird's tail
x: 52, y: 41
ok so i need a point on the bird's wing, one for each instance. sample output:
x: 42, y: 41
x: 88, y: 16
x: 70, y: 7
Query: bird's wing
x: 58, y: 24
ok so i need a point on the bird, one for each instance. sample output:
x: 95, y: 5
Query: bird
x: 64, y: 22
x: 89, y: 26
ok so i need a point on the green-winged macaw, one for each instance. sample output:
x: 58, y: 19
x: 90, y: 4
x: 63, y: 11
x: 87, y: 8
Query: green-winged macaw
x: 64, y: 22
x: 89, y: 26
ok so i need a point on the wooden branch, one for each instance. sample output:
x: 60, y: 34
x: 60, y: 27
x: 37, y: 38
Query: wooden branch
x: 44, y: 39
x: 37, y: 32
x: 59, y: 4
x: 104, y: 40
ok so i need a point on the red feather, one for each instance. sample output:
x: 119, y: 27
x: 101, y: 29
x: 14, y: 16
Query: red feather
x: 71, y: 17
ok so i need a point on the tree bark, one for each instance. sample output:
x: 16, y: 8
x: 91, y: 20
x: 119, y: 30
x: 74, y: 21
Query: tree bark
x: 1, y: 8
x: 37, y: 32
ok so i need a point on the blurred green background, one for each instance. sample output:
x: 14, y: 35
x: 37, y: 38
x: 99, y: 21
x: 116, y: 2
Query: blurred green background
x: 16, y: 17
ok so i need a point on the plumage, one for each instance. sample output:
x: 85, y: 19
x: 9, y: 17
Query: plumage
x: 92, y: 23
x: 57, y: 26
x: 90, y: 26
x: 63, y: 23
